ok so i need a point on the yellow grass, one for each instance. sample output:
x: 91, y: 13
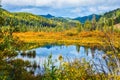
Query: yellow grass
x: 69, y: 37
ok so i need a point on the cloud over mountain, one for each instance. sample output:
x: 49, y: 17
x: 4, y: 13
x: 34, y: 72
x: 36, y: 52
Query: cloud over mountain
x: 75, y: 7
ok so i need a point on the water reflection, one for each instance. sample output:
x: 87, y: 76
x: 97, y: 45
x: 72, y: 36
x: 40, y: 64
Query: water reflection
x: 39, y: 55
x: 29, y: 54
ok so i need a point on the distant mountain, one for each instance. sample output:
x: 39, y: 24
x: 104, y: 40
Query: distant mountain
x: 59, y: 19
x: 47, y: 16
x: 84, y: 18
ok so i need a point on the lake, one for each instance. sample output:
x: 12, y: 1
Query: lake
x: 69, y: 53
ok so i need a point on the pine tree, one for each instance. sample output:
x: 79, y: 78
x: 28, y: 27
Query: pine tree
x: 79, y: 27
x: 87, y: 25
x: 93, y: 23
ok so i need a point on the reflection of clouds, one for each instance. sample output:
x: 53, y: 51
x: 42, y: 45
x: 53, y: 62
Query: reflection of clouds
x: 66, y: 51
x: 74, y: 53
x: 69, y: 53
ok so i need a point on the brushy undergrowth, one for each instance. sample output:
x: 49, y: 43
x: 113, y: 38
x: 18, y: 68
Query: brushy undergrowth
x: 79, y: 69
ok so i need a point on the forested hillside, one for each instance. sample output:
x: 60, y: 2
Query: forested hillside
x: 22, y: 19
x: 111, y: 17
x: 27, y: 19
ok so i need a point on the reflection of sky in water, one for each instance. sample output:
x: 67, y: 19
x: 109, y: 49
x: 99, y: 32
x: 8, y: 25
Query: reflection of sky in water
x: 65, y: 51
x: 68, y: 52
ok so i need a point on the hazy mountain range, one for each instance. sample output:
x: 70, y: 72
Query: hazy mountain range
x: 81, y: 19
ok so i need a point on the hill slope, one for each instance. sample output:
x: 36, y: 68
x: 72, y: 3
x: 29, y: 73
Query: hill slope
x: 28, y: 19
x: 111, y: 15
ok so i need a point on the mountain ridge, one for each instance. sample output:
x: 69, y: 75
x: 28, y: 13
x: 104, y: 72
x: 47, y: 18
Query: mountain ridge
x: 29, y: 19
x: 47, y: 16
x: 89, y: 17
x: 52, y: 21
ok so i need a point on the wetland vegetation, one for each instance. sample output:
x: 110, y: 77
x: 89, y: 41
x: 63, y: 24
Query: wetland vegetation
x: 36, y: 48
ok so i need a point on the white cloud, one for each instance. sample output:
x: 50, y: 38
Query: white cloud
x: 93, y: 10
x: 28, y: 10
x: 36, y: 11
x: 19, y: 2
x: 43, y: 2
x: 76, y: 10
x: 61, y: 3
x: 103, y: 8
x: 63, y: 7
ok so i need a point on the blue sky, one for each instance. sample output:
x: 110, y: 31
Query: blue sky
x: 64, y: 8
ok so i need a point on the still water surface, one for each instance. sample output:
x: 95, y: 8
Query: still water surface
x: 68, y: 52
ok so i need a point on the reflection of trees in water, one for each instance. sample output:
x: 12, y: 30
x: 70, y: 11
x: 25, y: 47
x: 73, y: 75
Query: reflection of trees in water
x: 78, y: 48
x: 93, y: 51
x: 86, y: 50
x: 29, y: 54
x: 33, y: 67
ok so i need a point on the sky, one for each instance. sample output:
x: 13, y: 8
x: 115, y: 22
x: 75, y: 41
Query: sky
x: 61, y: 8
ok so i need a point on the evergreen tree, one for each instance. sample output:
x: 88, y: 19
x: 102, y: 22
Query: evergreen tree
x: 112, y: 26
x: 94, y: 23
x: 79, y: 27
x: 87, y: 25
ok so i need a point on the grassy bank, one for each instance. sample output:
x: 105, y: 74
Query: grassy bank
x: 69, y: 37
